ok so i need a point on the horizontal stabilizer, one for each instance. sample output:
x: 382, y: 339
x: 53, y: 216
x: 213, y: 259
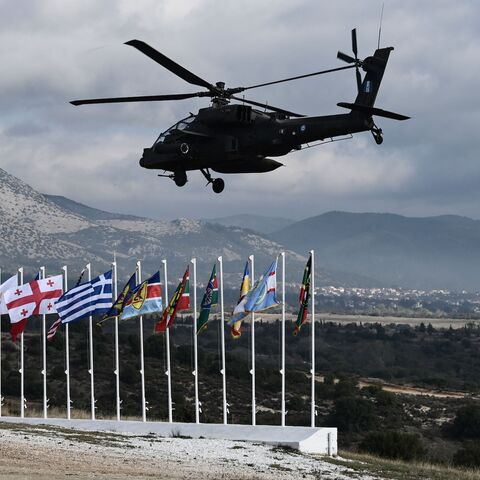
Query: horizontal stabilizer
x: 372, y: 111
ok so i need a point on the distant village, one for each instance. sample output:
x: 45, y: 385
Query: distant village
x: 399, y: 302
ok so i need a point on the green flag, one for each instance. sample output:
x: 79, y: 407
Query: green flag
x: 304, y: 296
x: 210, y: 299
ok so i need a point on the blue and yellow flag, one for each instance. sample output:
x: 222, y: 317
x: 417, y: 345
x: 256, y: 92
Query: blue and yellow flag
x: 264, y: 294
x: 145, y: 298
x: 239, y: 312
x: 117, y: 307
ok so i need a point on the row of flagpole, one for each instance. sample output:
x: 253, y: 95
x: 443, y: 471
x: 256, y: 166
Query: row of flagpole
x: 167, y: 340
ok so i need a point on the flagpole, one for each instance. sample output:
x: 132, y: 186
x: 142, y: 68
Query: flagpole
x: 117, y: 356
x: 312, y: 283
x: 22, y: 363
x: 1, y: 397
x: 67, y: 348
x: 167, y: 338
x: 282, y: 371
x: 252, y: 371
x: 90, y: 341
x: 222, y: 332
x: 195, y: 344
x: 44, y: 353
x: 142, y: 360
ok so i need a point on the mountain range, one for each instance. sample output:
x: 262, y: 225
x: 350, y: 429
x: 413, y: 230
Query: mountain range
x: 352, y: 249
x: 47, y: 230
x: 441, y: 252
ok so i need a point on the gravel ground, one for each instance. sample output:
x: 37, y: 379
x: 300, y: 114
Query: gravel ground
x: 28, y: 452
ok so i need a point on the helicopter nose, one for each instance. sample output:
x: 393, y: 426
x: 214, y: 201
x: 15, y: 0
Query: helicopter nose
x: 145, y: 160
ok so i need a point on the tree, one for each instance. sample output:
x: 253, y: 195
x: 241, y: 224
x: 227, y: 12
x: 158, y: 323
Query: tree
x: 395, y: 445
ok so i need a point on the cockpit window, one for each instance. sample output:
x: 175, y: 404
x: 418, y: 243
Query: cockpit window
x: 179, y: 126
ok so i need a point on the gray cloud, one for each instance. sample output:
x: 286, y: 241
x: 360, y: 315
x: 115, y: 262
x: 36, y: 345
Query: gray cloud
x: 54, y: 51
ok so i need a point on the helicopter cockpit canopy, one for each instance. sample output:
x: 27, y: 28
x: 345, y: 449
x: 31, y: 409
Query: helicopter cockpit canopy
x: 178, y: 127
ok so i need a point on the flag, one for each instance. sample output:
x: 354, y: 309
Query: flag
x: 304, y: 296
x: 173, y: 306
x: 53, y: 329
x: 144, y: 298
x: 239, y: 312
x: 36, y: 297
x: 264, y: 294
x: 89, y: 298
x: 184, y: 302
x: 119, y: 304
x: 9, y: 284
x: 210, y: 299
x: 58, y: 322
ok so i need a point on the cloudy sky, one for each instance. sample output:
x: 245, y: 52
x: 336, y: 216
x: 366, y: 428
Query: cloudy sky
x: 53, y: 51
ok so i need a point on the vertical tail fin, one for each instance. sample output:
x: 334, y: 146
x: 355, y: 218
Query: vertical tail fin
x: 375, y: 67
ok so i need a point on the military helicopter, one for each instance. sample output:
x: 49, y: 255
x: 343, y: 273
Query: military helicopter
x: 237, y: 138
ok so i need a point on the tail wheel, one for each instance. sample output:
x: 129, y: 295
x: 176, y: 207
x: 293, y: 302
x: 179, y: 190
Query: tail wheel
x: 218, y: 185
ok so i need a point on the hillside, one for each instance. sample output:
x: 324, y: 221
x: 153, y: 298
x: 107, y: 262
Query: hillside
x: 426, y: 253
x: 50, y: 230
x: 257, y: 223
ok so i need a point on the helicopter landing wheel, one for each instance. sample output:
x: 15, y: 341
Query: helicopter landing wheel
x: 377, y: 135
x: 180, y: 178
x: 218, y: 185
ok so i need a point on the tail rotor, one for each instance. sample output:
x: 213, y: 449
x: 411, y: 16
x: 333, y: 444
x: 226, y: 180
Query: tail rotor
x: 355, y: 60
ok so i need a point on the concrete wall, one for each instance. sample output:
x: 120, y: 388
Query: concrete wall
x: 305, y: 439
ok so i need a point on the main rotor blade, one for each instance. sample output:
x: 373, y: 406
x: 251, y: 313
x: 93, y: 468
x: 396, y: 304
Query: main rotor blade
x: 242, y: 89
x: 345, y: 57
x: 354, y: 42
x: 269, y: 107
x: 147, y: 98
x: 169, y: 64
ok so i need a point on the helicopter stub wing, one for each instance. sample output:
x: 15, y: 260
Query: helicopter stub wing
x: 372, y: 111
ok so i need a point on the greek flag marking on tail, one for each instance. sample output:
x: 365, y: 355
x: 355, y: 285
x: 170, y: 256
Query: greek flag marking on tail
x: 89, y: 298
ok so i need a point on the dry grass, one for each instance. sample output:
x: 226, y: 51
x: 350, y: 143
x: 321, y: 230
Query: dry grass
x: 9, y: 410
x: 396, y: 469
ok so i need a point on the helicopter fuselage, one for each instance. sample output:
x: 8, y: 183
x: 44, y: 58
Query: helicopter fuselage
x: 239, y: 139
x: 236, y: 138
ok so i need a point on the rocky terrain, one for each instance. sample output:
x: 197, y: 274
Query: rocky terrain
x: 38, y: 230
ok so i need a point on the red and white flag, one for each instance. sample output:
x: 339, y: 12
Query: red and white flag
x: 34, y: 298
x: 5, y: 286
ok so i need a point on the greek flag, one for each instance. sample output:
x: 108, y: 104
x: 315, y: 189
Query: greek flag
x: 89, y: 298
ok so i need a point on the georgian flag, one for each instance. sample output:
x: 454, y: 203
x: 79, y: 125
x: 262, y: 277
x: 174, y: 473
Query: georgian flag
x: 35, y: 298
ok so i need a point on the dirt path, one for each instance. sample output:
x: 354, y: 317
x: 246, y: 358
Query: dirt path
x: 404, y: 390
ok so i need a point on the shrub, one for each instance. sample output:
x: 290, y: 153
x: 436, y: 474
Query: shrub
x: 353, y: 414
x: 468, y: 456
x: 467, y: 422
x: 395, y: 445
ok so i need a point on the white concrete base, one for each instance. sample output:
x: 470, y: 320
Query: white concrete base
x: 305, y: 439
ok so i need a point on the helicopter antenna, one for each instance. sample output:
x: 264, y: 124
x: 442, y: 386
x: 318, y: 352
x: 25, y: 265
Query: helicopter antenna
x: 380, y: 27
